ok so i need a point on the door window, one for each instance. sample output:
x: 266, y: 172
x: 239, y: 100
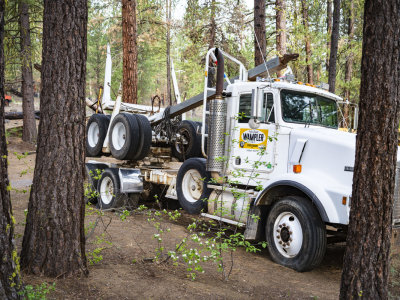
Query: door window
x: 268, y: 114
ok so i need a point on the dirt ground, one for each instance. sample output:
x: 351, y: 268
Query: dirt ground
x: 125, y: 271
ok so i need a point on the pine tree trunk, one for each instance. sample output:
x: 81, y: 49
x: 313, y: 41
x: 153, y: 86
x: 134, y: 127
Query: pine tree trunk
x: 211, y: 82
x: 9, y: 275
x: 168, y: 51
x: 280, y: 29
x: 54, y: 239
x: 129, y: 73
x: 29, y: 133
x: 310, y: 72
x: 328, y: 30
x: 349, y: 61
x: 366, y: 260
x: 334, y: 46
x: 260, y: 40
x: 213, y: 26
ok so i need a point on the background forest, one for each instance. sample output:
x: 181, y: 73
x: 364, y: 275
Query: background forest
x: 195, y: 26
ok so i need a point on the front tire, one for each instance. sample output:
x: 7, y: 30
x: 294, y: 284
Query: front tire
x: 191, y: 185
x: 295, y: 234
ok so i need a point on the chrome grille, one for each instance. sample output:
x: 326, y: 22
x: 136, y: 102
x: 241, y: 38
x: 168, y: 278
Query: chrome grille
x: 396, y: 202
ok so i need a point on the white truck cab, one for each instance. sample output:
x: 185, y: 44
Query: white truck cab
x: 268, y: 156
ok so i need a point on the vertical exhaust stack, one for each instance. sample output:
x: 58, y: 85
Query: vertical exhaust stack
x: 216, y: 125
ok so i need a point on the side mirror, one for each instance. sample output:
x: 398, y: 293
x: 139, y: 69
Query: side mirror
x: 257, y: 98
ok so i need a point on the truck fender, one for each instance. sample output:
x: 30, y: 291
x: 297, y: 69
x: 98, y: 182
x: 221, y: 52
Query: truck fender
x: 298, y: 186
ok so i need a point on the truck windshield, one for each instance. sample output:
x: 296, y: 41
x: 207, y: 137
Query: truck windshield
x: 298, y: 107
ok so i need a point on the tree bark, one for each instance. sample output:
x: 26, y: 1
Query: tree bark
x: 280, y: 29
x: 366, y: 260
x: 260, y: 40
x: 168, y: 50
x: 9, y: 268
x: 211, y: 43
x: 129, y: 74
x: 54, y: 239
x: 328, y: 30
x: 349, y: 61
x: 213, y: 26
x: 334, y: 46
x: 29, y: 132
x: 310, y: 71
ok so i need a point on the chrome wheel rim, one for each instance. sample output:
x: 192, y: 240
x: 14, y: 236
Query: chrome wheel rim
x: 288, y: 234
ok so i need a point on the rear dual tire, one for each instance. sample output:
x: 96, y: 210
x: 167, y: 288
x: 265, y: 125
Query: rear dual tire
x: 130, y: 137
x: 191, y: 185
x: 109, y: 192
x: 96, y: 132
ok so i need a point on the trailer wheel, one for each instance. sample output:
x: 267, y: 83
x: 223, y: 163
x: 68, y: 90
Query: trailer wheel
x: 189, y: 145
x: 191, y: 185
x: 108, y: 188
x: 295, y: 234
x: 124, y: 136
x: 96, y: 132
x: 145, y: 137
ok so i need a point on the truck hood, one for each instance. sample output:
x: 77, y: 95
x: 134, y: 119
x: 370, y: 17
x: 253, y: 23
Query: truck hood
x: 327, y: 153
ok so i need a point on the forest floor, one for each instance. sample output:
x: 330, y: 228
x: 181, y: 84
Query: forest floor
x: 123, y: 268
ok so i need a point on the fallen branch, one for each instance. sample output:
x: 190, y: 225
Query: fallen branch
x: 19, y: 115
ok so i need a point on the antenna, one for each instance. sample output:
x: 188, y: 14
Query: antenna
x: 262, y: 55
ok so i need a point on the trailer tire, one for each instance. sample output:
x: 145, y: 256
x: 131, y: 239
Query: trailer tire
x: 124, y: 136
x: 96, y: 131
x: 193, y: 146
x: 145, y: 137
x: 191, y: 185
x: 108, y: 188
x: 295, y: 234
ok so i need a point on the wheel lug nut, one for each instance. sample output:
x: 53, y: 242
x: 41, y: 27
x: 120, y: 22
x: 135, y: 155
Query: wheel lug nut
x: 278, y: 230
x: 290, y: 239
x: 284, y: 224
x: 280, y: 226
x: 288, y: 227
x: 278, y: 237
x: 290, y: 232
x: 280, y: 242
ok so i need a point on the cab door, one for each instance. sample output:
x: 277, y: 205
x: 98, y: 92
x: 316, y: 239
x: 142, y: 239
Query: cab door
x: 253, y: 149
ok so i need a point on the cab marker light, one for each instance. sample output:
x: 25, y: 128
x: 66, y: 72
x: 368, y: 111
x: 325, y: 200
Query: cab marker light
x: 344, y: 200
x: 296, y: 168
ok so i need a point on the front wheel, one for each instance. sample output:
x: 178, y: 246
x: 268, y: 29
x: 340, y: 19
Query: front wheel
x: 295, y: 234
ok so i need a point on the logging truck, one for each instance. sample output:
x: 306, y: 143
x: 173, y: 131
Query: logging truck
x: 266, y: 147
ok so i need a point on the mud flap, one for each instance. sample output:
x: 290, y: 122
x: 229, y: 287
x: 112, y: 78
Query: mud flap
x: 255, y: 225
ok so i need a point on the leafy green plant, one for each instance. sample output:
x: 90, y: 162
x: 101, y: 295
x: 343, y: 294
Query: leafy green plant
x: 38, y: 292
x: 95, y: 257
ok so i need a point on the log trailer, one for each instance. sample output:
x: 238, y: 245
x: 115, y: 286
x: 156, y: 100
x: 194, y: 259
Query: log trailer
x: 269, y: 148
